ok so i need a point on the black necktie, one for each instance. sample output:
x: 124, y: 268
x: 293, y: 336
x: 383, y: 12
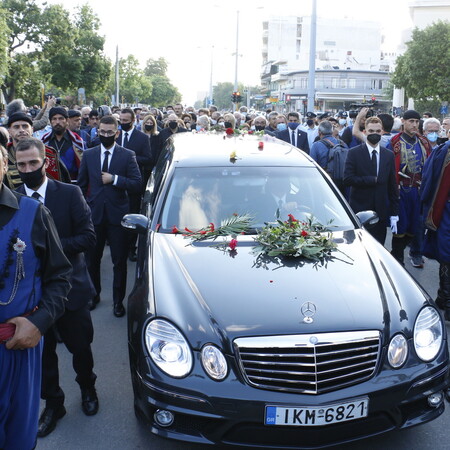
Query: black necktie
x: 374, y: 163
x: 293, y: 138
x: 105, y: 162
x: 125, y: 141
x: 36, y: 196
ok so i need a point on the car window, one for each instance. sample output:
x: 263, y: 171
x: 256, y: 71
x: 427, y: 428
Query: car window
x: 200, y: 196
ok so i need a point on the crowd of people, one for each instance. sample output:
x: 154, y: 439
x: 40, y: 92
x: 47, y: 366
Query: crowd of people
x: 89, y: 167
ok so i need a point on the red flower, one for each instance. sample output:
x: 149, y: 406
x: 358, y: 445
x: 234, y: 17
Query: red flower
x: 203, y: 232
x: 251, y: 132
x: 260, y: 145
x: 175, y: 230
x: 233, y: 244
x: 211, y: 225
x: 229, y: 131
x: 304, y: 233
x: 292, y: 218
x: 188, y: 230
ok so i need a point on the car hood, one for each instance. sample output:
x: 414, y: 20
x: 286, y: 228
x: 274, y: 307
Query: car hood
x: 215, y: 296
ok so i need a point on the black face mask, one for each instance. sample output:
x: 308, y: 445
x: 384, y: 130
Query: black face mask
x: 126, y: 126
x: 173, y: 124
x: 373, y: 138
x: 107, y: 141
x: 33, y: 179
x: 227, y: 125
x: 259, y: 127
x: 148, y: 127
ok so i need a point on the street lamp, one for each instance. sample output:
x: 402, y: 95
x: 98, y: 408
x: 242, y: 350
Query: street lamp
x: 237, y: 58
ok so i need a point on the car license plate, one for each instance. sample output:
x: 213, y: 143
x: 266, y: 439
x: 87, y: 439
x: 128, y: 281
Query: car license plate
x: 317, y: 416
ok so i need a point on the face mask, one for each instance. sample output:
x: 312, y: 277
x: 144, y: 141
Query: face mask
x: 148, y: 127
x: 126, y: 126
x: 107, y: 141
x: 373, y: 138
x: 342, y: 121
x: 259, y: 127
x: 227, y: 125
x: 292, y: 125
x: 309, y: 122
x: 432, y: 137
x: 172, y: 124
x: 198, y: 127
x: 281, y: 127
x: 213, y: 122
x: 33, y: 179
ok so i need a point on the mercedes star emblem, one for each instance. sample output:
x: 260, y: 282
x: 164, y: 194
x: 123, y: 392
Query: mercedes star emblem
x: 308, y: 310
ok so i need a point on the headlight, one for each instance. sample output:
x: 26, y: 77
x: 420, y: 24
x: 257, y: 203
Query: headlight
x: 428, y: 334
x: 168, y: 348
x: 214, y: 362
x: 397, y: 351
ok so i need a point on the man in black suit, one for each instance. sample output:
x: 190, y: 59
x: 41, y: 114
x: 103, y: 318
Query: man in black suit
x: 370, y: 172
x: 72, y: 218
x: 294, y: 133
x: 108, y: 174
x: 139, y: 142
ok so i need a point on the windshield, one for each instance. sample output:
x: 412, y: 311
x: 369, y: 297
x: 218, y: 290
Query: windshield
x: 200, y: 196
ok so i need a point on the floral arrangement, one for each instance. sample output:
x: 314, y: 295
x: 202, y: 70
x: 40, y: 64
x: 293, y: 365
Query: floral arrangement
x: 294, y: 238
x: 233, y: 226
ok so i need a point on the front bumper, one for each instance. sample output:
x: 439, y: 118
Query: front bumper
x: 232, y: 412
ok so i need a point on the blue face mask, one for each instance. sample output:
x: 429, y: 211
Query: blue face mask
x: 281, y: 126
x: 293, y: 125
x: 198, y: 127
x: 432, y: 137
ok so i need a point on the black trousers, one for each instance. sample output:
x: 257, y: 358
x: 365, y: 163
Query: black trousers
x: 77, y: 333
x: 118, y: 240
x: 378, y: 231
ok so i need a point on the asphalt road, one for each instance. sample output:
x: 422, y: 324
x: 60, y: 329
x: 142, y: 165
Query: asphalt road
x: 116, y: 427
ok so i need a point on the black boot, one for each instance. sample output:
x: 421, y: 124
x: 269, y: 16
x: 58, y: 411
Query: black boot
x: 398, y: 248
x: 443, y: 295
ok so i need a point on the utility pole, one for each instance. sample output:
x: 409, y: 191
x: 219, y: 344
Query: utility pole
x: 237, y: 57
x: 312, y: 59
x: 117, y: 75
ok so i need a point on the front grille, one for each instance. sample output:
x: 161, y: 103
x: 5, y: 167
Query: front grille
x: 311, y: 363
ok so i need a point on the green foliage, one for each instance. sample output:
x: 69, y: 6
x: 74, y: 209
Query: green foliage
x: 424, y: 69
x: 433, y: 106
x: 4, y: 32
x: 156, y: 67
x: 222, y: 95
x: 48, y: 47
x: 294, y: 238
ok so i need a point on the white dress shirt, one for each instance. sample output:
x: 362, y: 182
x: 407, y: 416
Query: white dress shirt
x: 41, y: 191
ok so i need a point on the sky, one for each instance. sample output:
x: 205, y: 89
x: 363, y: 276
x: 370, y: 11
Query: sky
x: 197, y: 36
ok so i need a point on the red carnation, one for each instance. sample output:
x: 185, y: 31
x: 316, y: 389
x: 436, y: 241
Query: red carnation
x: 203, y: 232
x: 229, y: 131
x: 260, y: 145
x: 211, y: 225
x: 175, y: 230
x: 304, y: 233
x: 188, y: 230
x: 292, y: 218
x: 233, y: 244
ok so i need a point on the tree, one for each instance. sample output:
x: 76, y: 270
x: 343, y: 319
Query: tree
x: 4, y: 32
x: 424, y: 69
x: 133, y: 83
x: 222, y: 95
x: 48, y: 47
x: 156, y: 67
x: 164, y: 92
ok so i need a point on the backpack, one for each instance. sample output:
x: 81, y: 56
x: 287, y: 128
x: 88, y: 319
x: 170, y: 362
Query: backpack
x: 337, y: 155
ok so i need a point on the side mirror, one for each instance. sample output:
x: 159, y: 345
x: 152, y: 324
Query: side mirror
x: 368, y: 218
x: 136, y: 223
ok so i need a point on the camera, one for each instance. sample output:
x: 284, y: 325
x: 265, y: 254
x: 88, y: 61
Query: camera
x: 370, y: 105
x: 58, y: 99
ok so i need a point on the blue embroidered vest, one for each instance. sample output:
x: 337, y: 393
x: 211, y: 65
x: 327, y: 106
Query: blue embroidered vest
x: 19, y: 295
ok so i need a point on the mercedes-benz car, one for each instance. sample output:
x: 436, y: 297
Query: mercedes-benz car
x: 228, y: 346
